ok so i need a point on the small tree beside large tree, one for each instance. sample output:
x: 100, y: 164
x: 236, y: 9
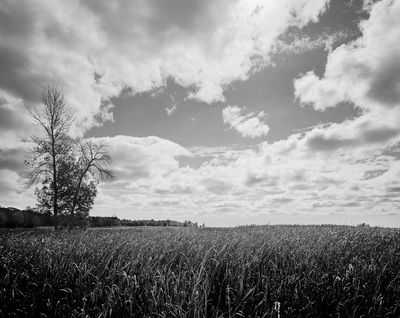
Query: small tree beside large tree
x: 69, y: 169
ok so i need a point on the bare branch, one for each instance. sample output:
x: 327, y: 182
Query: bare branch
x: 63, y: 164
x: 54, y: 119
x: 95, y: 158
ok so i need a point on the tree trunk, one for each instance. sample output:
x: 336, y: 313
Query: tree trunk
x: 76, y: 190
x: 55, y: 185
x: 73, y: 204
x: 55, y: 212
x: 55, y: 201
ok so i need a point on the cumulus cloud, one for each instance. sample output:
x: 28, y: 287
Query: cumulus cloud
x: 365, y: 71
x: 135, y: 158
x: 349, y: 167
x: 288, y: 176
x: 250, y: 125
x: 203, y: 45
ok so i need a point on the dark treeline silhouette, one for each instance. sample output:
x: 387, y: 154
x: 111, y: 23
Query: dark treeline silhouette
x: 12, y: 217
x: 157, y: 223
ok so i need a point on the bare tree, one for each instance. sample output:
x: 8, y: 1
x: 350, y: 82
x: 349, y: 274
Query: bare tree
x: 93, y: 160
x: 54, y: 120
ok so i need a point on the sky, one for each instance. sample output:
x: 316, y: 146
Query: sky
x: 215, y: 111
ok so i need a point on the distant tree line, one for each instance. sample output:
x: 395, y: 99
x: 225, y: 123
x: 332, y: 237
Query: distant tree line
x: 12, y: 217
x: 152, y: 222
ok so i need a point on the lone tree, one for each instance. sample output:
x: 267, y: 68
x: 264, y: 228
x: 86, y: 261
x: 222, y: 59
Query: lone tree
x: 68, y: 168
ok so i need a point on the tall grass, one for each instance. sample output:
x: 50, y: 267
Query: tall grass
x: 268, y: 271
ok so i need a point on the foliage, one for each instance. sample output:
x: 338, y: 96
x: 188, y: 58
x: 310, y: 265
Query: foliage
x: 68, y: 174
x: 100, y: 221
x: 62, y: 164
x: 268, y: 271
x: 92, y: 158
x: 34, y: 217
x: 12, y: 217
x: 152, y: 222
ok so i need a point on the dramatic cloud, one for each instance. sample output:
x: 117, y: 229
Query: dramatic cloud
x: 204, y: 45
x: 365, y: 71
x: 265, y: 179
x: 290, y: 176
x: 347, y: 166
x: 250, y: 125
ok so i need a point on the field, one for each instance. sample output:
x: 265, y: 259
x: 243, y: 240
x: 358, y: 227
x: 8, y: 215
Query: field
x: 254, y: 271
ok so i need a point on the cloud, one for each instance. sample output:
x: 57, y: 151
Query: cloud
x: 203, y: 45
x: 11, y: 192
x: 296, y: 43
x: 171, y: 110
x: 137, y: 158
x: 288, y: 176
x: 350, y: 167
x: 365, y: 71
x: 272, y: 176
x: 217, y: 186
x: 250, y: 125
x: 322, y: 94
x: 14, y: 123
x: 9, y: 181
x: 12, y: 159
x: 364, y: 136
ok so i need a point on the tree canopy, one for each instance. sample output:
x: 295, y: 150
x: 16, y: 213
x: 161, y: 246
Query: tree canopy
x: 69, y: 169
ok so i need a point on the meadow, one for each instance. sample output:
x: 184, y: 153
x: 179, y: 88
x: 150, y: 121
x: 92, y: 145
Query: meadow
x: 253, y: 271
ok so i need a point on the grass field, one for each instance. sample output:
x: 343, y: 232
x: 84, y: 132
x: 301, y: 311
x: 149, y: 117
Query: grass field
x: 263, y: 271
